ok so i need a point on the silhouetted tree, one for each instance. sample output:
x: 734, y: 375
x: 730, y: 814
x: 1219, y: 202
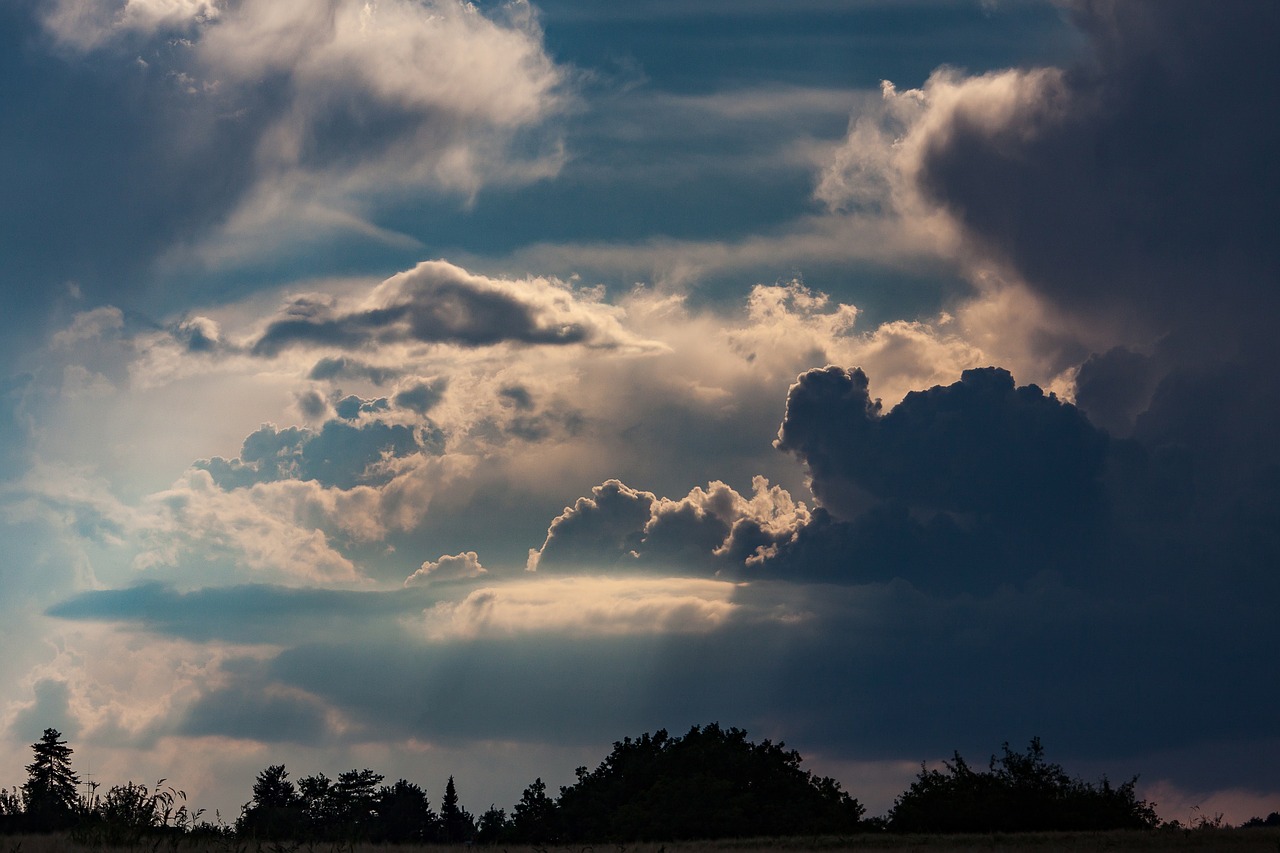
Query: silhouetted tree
x: 355, y: 797
x: 10, y: 810
x: 1271, y: 820
x: 534, y: 818
x: 49, y: 794
x: 404, y: 814
x: 1017, y: 793
x: 493, y: 826
x: 455, y: 823
x: 711, y: 783
x: 276, y: 810
x: 318, y: 803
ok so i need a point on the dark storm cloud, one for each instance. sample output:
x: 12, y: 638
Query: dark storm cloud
x: 980, y: 446
x: 437, y: 302
x: 339, y: 454
x: 1114, y: 387
x: 959, y: 488
x: 1141, y: 182
x: 1137, y: 190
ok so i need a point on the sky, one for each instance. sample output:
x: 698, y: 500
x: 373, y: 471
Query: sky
x: 455, y: 389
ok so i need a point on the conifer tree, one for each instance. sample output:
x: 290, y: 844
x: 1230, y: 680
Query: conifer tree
x: 455, y: 823
x: 49, y: 794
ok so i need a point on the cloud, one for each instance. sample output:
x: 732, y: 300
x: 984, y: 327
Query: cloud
x: 267, y: 528
x: 980, y: 445
x: 437, y: 302
x: 420, y: 397
x: 709, y: 531
x: 343, y: 367
x: 279, y: 123
x: 340, y: 454
x: 583, y: 607
x: 1124, y: 185
x: 266, y: 714
x: 91, y: 325
x: 88, y: 24
x: 240, y: 614
x: 49, y: 710
x: 458, y: 567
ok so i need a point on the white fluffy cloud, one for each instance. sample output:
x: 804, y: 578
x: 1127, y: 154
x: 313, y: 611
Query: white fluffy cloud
x: 343, y: 104
x: 87, y: 24
x: 447, y: 568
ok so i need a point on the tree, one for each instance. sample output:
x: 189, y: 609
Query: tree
x: 456, y: 824
x: 711, y: 783
x: 1271, y: 820
x: 404, y: 814
x: 318, y: 803
x: 534, y: 818
x: 276, y: 811
x: 493, y: 826
x: 1017, y: 793
x: 49, y: 794
x: 355, y: 796
x: 10, y: 810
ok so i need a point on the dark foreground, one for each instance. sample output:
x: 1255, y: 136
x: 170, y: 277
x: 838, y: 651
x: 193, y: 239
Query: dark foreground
x: 1113, y: 842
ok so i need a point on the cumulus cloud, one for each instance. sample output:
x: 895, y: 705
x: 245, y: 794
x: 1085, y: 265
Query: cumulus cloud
x: 980, y: 445
x: 709, y: 531
x: 458, y: 567
x: 256, y: 529
x: 437, y: 302
x: 339, y: 454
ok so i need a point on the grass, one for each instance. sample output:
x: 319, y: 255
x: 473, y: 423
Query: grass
x: 1241, y: 840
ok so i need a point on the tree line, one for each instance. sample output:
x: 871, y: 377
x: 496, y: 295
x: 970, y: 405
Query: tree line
x: 712, y: 782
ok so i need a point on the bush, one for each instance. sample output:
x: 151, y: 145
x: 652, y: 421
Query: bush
x: 1017, y: 793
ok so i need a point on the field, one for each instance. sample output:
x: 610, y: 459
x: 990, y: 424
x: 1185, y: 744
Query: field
x: 1113, y: 842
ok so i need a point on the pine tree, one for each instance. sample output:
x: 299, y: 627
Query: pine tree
x: 455, y: 823
x: 49, y: 793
